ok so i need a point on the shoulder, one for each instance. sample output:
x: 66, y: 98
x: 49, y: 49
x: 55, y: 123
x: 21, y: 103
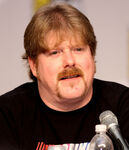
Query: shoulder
x: 110, y: 94
x: 19, y: 102
x: 20, y: 93
x: 110, y: 86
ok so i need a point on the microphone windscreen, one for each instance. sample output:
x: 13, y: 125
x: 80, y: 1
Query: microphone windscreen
x: 108, y: 118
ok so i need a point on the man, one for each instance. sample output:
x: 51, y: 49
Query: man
x: 62, y: 105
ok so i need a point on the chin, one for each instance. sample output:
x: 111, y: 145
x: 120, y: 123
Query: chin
x: 70, y: 96
x: 76, y: 92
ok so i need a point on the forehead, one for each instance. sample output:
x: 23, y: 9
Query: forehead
x: 54, y: 39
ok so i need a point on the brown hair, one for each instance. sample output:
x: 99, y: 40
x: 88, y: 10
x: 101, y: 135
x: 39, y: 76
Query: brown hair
x: 60, y: 18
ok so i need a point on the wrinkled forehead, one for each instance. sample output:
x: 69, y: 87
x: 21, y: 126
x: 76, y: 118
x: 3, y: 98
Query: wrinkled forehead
x: 54, y: 38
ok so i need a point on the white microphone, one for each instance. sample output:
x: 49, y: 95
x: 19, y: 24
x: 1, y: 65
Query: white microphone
x: 110, y: 120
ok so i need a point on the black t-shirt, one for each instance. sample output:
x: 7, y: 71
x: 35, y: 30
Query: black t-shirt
x: 26, y: 123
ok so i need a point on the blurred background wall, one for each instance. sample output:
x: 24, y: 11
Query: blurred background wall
x: 110, y: 19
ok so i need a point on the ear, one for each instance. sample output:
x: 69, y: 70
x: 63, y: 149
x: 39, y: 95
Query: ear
x: 32, y: 64
x: 95, y: 65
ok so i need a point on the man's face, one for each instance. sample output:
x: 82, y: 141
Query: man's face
x: 66, y: 71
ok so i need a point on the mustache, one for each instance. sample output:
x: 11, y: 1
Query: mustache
x: 70, y: 73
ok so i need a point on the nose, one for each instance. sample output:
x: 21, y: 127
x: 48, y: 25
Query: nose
x: 68, y: 59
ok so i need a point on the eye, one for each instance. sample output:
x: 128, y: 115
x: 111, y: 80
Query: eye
x: 54, y: 52
x: 78, y: 49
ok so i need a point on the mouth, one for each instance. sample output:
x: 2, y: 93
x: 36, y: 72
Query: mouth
x: 70, y: 77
